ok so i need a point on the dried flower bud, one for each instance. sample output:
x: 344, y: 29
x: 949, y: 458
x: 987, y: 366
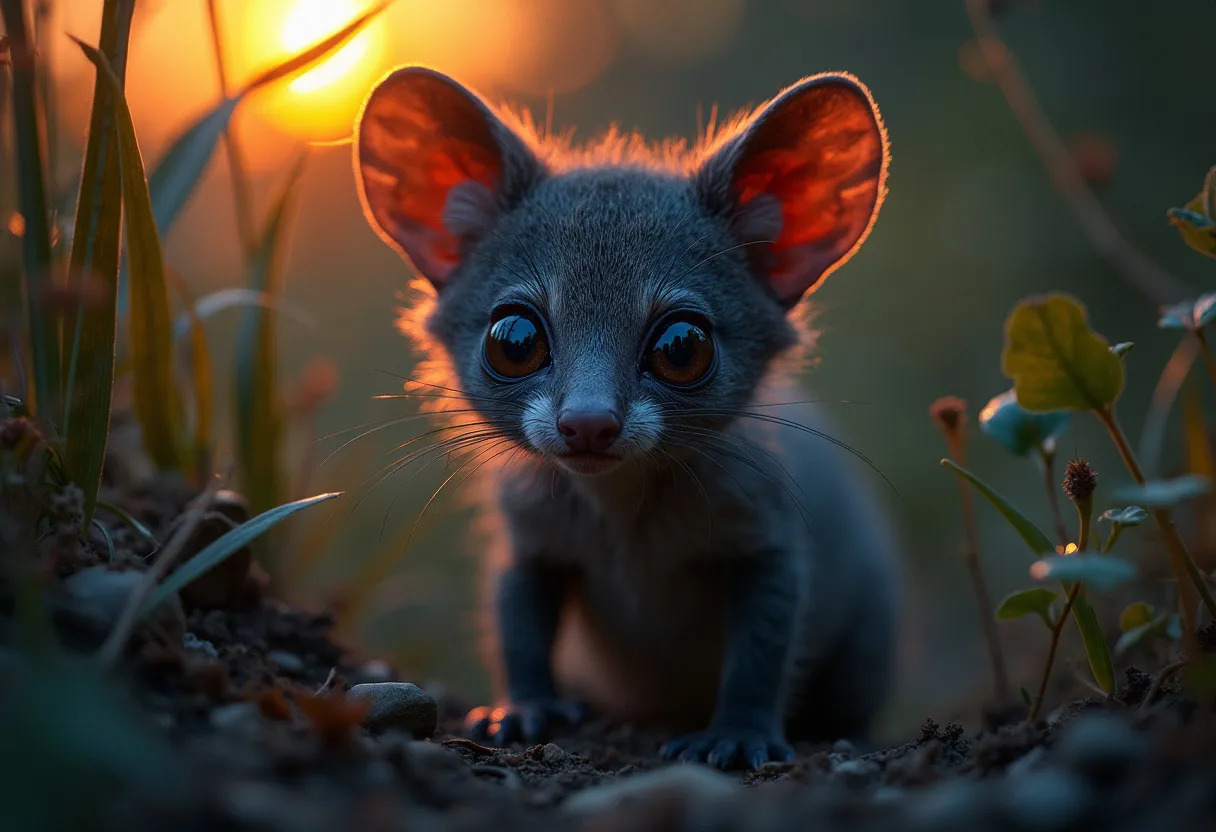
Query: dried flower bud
x: 949, y: 414
x: 14, y: 433
x: 1080, y: 480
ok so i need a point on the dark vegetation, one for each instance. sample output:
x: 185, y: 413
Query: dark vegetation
x: 149, y: 677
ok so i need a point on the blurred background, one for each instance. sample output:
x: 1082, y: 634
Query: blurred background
x: 971, y: 226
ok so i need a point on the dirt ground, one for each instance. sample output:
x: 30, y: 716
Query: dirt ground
x: 245, y: 705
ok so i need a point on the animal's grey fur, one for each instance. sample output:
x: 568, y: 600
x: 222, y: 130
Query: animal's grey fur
x: 731, y: 572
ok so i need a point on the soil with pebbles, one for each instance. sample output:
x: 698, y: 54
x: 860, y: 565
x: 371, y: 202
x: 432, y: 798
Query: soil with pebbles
x: 242, y: 715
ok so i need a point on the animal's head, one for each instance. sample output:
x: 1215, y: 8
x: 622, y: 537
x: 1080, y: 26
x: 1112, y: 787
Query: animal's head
x: 595, y: 312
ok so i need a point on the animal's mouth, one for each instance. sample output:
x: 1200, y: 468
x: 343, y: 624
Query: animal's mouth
x: 589, y: 462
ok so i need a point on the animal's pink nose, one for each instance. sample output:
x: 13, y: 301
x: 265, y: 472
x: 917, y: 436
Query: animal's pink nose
x: 589, y: 431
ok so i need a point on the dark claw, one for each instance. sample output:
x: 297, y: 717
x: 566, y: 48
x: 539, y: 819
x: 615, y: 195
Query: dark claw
x: 727, y: 748
x: 526, y: 721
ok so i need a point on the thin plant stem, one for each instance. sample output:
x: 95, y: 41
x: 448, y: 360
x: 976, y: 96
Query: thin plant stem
x: 971, y: 555
x: 1205, y: 349
x: 1057, y: 628
x: 1162, y: 677
x: 1184, y: 565
x: 1101, y: 231
x: 1048, y: 459
x: 232, y: 148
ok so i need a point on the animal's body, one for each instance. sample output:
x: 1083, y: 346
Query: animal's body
x: 682, y: 546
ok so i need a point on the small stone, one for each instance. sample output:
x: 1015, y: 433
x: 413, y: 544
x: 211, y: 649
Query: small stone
x: 844, y: 747
x: 1100, y: 747
x: 398, y: 706
x: 1046, y: 800
x: 554, y: 754
x: 219, y: 586
x: 287, y: 662
x: 954, y: 804
x: 93, y: 599
x: 696, y: 787
x: 197, y: 645
x: 889, y: 794
x: 242, y: 714
x: 231, y: 504
x: 857, y: 774
x: 1027, y: 763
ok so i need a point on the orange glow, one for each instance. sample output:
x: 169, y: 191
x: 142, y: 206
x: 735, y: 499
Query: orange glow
x: 319, y: 104
x: 311, y: 21
x: 16, y: 224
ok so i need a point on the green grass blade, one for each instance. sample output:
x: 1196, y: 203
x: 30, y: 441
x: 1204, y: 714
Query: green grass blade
x: 181, y: 168
x: 216, y: 552
x: 315, y: 53
x: 158, y: 404
x: 1035, y: 539
x: 178, y: 172
x: 94, y: 258
x: 1096, y: 650
x: 127, y: 518
x: 44, y: 323
x: 201, y: 377
x: 258, y: 409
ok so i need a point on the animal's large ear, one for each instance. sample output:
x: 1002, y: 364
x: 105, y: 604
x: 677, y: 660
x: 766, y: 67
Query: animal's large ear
x: 435, y: 168
x: 802, y: 183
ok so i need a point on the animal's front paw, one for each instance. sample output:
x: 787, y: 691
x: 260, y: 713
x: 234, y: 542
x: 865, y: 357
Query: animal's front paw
x: 524, y: 721
x: 727, y: 748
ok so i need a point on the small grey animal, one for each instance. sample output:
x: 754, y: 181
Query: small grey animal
x: 684, y: 544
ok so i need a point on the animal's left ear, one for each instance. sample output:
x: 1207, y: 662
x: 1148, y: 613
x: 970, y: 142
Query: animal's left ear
x: 802, y: 184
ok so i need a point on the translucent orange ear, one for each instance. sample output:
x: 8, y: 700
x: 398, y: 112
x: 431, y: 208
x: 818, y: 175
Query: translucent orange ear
x: 803, y: 181
x: 434, y: 167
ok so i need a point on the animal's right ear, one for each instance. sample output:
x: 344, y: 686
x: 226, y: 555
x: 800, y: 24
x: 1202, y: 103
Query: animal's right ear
x: 435, y: 168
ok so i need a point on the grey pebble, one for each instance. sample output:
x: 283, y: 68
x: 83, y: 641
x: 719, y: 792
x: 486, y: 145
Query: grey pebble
x: 1101, y: 747
x: 286, y: 662
x: 857, y: 774
x: 226, y: 717
x: 93, y: 599
x: 554, y: 754
x: 398, y: 706
x: 699, y: 787
x: 195, y: 644
x: 844, y: 747
x: 1046, y: 800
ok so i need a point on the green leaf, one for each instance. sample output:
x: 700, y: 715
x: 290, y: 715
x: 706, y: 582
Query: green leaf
x: 1189, y: 314
x: 94, y: 259
x: 1019, y: 430
x: 183, y: 165
x: 201, y: 378
x: 218, y: 551
x: 1056, y: 361
x: 44, y: 322
x: 1130, y: 516
x: 158, y: 405
x: 1099, y: 571
x: 1096, y: 650
x: 1198, y: 230
x: 258, y: 407
x: 1025, y: 695
x: 1135, y: 615
x: 1030, y: 534
x: 126, y: 517
x: 1153, y: 628
x: 1034, y: 601
x: 1165, y: 493
x: 178, y: 172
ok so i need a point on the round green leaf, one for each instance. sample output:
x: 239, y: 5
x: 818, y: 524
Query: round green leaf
x: 1099, y: 571
x: 1134, y: 615
x: 1034, y: 601
x: 1056, y: 361
x: 1019, y: 430
x: 1166, y: 493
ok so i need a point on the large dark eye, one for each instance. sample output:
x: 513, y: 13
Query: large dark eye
x: 681, y: 351
x: 516, y: 345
